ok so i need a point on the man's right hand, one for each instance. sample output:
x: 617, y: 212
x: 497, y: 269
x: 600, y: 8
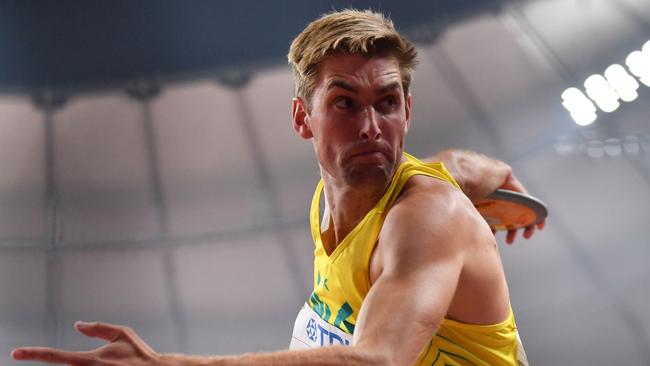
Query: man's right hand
x: 124, y: 347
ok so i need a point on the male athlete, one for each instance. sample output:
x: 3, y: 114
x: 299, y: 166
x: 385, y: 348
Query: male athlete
x: 406, y: 271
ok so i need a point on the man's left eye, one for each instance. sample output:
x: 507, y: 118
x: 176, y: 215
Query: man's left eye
x: 388, y: 102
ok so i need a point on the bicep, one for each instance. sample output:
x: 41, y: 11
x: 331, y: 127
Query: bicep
x: 400, y: 315
x: 421, y: 267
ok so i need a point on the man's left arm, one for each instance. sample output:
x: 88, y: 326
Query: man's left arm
x: 479, y: 175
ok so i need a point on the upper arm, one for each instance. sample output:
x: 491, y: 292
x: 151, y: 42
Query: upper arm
x: 422, y: 253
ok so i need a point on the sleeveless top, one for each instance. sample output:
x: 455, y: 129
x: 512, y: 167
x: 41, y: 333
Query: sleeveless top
x: 341, y: 282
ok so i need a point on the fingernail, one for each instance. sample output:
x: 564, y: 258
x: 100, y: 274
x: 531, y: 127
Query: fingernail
x: 80, y: 324
x: 17, y: 354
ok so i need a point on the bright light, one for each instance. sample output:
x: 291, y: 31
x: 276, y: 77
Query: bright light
x: 600, y: 92
x: 639, y: 64
x: 605, y: 91
x: 622, y: 82
x: 582, y: 109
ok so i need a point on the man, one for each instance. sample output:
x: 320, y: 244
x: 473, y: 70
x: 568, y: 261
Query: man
x: 406, y: 270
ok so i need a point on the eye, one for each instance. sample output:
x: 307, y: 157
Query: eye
x: 344, y: 103
x: 388, y: 104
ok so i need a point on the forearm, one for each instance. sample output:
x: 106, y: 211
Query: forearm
x: 477, y: 174
x: 352, y: 356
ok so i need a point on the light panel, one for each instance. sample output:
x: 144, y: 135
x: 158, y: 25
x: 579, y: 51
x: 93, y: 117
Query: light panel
x: 581, y: 108
x: 622, y: 82
x: 605, y: 91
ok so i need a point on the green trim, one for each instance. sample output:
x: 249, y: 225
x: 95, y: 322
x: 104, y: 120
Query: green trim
x: 426, y: 353
x: 450, y: 354
x: 436, y: 359
x: 449, y: 340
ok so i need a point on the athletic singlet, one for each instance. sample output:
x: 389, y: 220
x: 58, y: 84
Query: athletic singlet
x: 341, y: 283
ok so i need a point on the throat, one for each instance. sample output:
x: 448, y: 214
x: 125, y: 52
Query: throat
x: 333, y: 236
x: 329, y: 241
x: 345, y: 214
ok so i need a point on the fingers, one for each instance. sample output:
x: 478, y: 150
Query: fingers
x: 528, y: 232
x: 512, y: 234
x: 105, y: 331
x: 513, y: 184
x: 49, y: 355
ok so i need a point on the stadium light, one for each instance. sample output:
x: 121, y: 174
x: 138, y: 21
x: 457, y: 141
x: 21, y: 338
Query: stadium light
x: 624, y: 84
x: 581, y: 108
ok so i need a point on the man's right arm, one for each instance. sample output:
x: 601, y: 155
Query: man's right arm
x: 422, y: 258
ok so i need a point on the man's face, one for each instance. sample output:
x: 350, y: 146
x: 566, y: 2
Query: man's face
x: 358, y: 118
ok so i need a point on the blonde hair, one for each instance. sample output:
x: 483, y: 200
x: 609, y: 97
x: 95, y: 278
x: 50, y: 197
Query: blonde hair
x: 349, y: 31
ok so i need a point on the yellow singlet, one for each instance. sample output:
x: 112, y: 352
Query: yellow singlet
x: 341, y: 283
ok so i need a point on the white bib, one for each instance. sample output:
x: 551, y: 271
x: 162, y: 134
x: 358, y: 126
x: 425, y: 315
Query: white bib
x: 310, y: 331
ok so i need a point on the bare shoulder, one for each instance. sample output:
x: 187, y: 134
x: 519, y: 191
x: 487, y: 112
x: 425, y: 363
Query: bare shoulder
x: 431, y: 219
x: 436, y: 205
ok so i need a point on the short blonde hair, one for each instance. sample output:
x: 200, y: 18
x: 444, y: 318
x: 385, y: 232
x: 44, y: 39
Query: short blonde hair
x: 349, y: 31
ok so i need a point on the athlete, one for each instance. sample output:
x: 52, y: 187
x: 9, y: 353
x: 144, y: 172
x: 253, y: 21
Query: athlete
x: 406, y: 271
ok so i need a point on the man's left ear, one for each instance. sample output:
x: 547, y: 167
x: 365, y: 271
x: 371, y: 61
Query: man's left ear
x: 408, y: 113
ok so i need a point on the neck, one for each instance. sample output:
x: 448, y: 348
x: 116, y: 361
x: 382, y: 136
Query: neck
x: 347, y: 205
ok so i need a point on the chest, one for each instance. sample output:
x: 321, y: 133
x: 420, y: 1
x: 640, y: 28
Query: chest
x: 342, y: 279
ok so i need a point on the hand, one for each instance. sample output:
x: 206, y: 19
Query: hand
x: 479, y: 175
x: 124, y: 348
x: 513, y: 184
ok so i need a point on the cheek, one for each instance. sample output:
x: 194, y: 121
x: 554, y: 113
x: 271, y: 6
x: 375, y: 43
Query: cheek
x: 323, y: 147
x: 395, y: 129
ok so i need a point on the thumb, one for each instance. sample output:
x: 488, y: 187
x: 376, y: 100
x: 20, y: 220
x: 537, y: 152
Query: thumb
x: 105, y: 331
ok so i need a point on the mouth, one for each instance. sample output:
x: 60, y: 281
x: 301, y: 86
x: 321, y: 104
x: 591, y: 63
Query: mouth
x: 369, y: 156
x: 367, y: 153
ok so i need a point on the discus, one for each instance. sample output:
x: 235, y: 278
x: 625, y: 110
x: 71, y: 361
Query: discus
x: 510, y: 210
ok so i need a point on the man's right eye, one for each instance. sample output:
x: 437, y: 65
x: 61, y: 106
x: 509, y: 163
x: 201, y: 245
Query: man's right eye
x: 343, y: 103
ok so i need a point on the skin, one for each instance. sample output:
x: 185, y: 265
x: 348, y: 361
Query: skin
x: 479, y: 175
x: 358, y: 121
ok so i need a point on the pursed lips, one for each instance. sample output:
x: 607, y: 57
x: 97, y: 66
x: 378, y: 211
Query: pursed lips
x: 369, y: 153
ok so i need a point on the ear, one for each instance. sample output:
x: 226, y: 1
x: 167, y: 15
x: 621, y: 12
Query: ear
x: 407, y: 104
x: 300, y: 117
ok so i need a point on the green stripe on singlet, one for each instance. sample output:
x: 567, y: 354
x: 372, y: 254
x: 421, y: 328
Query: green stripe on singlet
x: 449, y: 354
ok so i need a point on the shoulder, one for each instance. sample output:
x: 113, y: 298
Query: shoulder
x: 434, y: 202
x: 432, y: 218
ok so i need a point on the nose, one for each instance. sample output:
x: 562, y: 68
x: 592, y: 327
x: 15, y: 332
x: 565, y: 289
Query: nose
x: 369, y: 125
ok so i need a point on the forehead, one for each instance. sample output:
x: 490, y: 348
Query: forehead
x: 359, y: 70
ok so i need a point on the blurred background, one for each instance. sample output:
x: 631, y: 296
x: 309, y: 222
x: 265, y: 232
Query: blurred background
x: 150, y: 175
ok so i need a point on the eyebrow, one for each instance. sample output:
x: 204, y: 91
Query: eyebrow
x: 389, y: 87
x: 338, y: 83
